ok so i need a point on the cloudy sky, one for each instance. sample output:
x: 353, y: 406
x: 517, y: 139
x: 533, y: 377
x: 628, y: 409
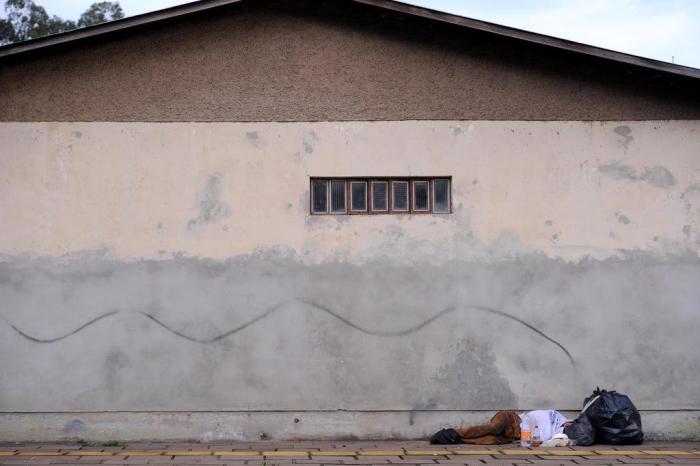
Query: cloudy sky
x: 667, y: 30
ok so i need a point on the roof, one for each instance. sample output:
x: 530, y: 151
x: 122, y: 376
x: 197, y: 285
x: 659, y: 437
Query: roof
x: 154, y: 17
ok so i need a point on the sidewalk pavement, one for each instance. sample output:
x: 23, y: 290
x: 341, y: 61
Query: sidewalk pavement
x: 271, y: 453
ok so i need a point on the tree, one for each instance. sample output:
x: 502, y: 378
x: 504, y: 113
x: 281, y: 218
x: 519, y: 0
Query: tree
x: 100, y: 12
x: 27, y: 20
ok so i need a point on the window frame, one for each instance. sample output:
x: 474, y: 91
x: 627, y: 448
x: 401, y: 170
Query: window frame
x: 311, y: 197
x: 371, y: 197
x: 449, y: 195
x: 429, y: 208
x: 407, y: 210
x: 330, y: 196
x: 390, y: 181
x: 351, y: 210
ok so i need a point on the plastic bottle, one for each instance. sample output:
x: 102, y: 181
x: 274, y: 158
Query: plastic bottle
x: 525, y: 434
x: 536, y: 440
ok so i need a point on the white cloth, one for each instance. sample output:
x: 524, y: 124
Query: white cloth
x: 548, y: 421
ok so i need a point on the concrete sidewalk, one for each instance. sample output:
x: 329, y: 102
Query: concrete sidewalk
x: 270, y: 453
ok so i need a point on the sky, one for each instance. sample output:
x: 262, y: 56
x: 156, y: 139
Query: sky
x: 667, y: 30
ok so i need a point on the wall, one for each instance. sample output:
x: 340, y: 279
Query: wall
x: 154, y: 269
x: 328, y: 61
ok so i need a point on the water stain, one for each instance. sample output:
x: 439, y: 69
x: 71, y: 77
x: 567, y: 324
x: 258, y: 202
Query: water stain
x: 622, y: 218
x: 309, y: 140
x: 657, y: 175
x: 626, y: 134
x: 74, y: 427
x: 211, y: 207
x: 472, y: 379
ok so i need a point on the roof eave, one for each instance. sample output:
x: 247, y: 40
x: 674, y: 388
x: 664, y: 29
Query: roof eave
x: 391, y: 5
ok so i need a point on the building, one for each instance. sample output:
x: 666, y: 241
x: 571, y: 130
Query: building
x: 293, y: 219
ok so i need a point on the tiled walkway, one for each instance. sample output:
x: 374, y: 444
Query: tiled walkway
x: 338, y: 453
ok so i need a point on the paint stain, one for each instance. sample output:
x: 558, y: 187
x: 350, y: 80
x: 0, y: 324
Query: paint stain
x: 548, y: 223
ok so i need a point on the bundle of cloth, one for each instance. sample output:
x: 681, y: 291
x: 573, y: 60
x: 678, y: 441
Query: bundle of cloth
x: 504, y: 427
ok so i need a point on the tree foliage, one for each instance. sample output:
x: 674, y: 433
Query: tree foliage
x: 100, y: 12
x: 26, y: 20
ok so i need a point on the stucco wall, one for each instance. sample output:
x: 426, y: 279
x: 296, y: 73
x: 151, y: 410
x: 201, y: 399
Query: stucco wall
x: 302, y: 60
x: 174, y: 267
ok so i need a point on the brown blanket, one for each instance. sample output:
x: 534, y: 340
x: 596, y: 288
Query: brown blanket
x: 504, y: 427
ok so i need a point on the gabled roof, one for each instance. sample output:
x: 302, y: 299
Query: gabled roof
x: 152, y: 18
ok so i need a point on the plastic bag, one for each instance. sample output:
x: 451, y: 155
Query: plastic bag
x: 581, y: 430
x: 445, y: 437
x: 614, y: 417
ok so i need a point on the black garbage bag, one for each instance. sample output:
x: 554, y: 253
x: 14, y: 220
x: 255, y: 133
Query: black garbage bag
x: 445, y: 437
x: 581, y: 430
x: 614, y: 417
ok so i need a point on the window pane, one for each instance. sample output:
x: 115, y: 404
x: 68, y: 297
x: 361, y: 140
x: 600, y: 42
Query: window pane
x: 399, y: 195
x: 380, y: 191
x: 358, y: 192
x: 420, y: 195
x: 441, y: 196
x: 319, y: 201
x: 337, y: 196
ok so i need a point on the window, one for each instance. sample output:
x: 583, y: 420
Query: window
x: 338, y: 197
x: 420, y: 196
x: 319, y: 198
x: 399, y: 196
x: 358, y: 196
x: 386, y: 195
x: 380, y: 196
x: 441, y: 196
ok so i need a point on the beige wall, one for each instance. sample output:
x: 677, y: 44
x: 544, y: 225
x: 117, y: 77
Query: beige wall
x: 566, y: 189
x: 149, y: 267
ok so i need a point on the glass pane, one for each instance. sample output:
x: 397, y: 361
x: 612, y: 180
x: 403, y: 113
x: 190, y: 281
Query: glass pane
x: 399, y: 195
x: 358, y: 192
x: 380, y: 191
x: 441, y: 196
x: 420, y: 195
x: 337, y: 196
x: 319, y: 201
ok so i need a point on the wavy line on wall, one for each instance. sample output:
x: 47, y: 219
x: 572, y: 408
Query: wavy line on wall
x: 311, y: 304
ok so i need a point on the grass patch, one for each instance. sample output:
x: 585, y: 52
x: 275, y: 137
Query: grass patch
x: 113, y: 443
